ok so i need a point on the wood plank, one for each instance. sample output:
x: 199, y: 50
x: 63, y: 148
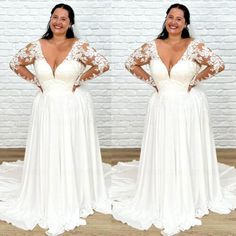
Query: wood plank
x: 114, y: 155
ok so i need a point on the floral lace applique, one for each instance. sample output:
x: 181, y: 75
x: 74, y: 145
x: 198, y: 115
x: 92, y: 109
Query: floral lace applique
x: 25, y: 57
x: 140, y: 57
x: 204, y: 56
x: 89, y: 56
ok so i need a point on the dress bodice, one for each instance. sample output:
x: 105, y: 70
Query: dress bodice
x: 182, y: 73
x: 67, y: 73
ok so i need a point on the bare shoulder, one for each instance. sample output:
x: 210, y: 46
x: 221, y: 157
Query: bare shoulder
x: 72, y: 40
x: 43, y: 41
x: 159, y: 43
x: 188, y: 40
x: 79, y: 41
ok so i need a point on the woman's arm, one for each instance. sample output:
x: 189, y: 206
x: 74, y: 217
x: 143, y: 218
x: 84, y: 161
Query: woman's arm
x: 136, y: 60
x: 89, y: 56
x: 21, y: 60
x: 214, y: 64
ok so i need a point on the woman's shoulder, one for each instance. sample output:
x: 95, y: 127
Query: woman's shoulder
x: 80, y: 42
x: 147, y: 44
x: 197, y: 42
x: 31, y: 45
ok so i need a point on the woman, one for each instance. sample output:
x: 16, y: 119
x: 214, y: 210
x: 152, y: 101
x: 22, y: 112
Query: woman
x: 178, y: 179
x: 61, y: 179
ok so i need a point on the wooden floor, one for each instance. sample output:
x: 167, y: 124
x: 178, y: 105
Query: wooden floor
x: 104, y: 225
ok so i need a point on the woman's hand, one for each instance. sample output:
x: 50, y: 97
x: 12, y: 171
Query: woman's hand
x: 193, y: 82
x: 190, y: 87
x: 75, y: 87
x: 40, y: 88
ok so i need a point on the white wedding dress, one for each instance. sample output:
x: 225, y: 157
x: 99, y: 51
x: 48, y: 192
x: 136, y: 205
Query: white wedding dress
x: 177, y: 179
x: 61, y: 179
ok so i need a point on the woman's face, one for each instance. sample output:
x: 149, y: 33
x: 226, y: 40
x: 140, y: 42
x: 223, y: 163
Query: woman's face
x: 60, y: 21
x: 175, y: 22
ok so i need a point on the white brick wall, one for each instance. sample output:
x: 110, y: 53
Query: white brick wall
x: 25, y: 21
x: 116, y: 28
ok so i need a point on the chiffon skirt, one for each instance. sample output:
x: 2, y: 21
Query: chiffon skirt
x: 61, y: 180
x: 177, y: 179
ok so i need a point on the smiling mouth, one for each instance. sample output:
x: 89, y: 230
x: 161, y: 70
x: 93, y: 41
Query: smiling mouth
x: 57, y: 27
x: 173, y: 27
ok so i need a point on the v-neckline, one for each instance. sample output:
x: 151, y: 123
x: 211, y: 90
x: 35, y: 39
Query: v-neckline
x: 183, y: 54
x: 67, y: 55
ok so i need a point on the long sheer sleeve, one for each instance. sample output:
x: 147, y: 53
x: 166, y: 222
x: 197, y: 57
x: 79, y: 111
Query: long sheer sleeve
x: 89, y: 56
x: 205, y: 56
x: 136, y: 60
x: 25, y: 57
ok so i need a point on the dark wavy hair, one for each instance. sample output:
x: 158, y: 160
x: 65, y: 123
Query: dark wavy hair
x: 185, y: 33
x: 70, y: 32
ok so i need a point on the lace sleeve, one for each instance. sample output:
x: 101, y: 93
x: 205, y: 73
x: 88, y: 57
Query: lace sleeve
x: 205, y: 56
x: 23, y: 58
x: 137, y: 59
x: 89, y: 56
